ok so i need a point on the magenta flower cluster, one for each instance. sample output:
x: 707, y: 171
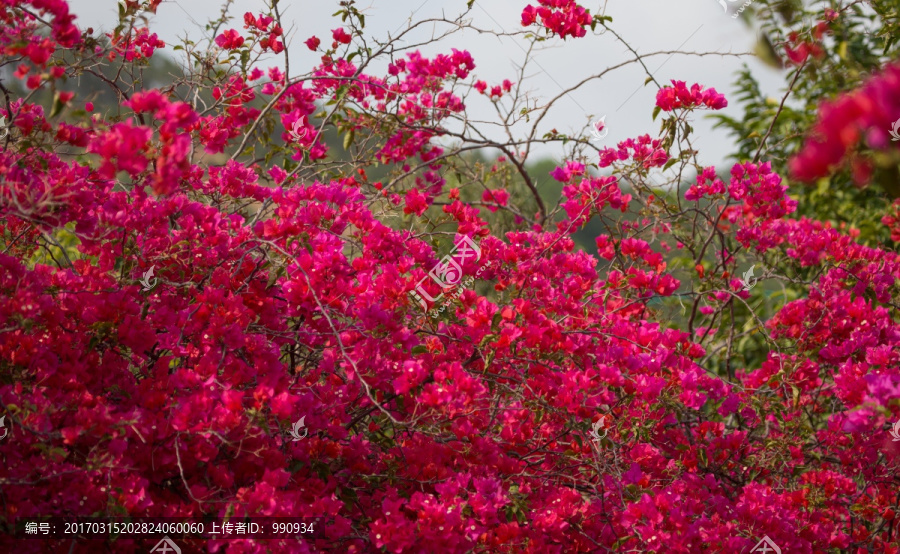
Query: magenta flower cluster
x: 560, y: 17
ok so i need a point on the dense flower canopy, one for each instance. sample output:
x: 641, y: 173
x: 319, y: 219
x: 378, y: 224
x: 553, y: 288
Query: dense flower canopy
x: 158, y: 337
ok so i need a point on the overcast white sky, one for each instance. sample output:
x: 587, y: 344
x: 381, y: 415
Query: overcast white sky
x: 648, y: 25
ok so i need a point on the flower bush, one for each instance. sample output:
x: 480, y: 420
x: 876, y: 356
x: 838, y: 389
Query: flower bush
x: 281, y: 291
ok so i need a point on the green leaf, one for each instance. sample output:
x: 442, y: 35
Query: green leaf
x: 842, y: 50
x: 57, y: 105
x: 348, y: 139
x: 656, y: 111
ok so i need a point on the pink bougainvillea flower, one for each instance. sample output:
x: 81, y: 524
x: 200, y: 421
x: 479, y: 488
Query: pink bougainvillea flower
x: 230, y: 40
x: 863, y: 117
x: 679, y: 96
x: 561, y: 17
x: 341, y: 36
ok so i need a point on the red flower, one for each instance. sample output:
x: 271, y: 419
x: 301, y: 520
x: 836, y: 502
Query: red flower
x: 341, y: 36
x: 230, y: 39
x: 561, y: 17
x: 865, y: 115
x: 679, y: 96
